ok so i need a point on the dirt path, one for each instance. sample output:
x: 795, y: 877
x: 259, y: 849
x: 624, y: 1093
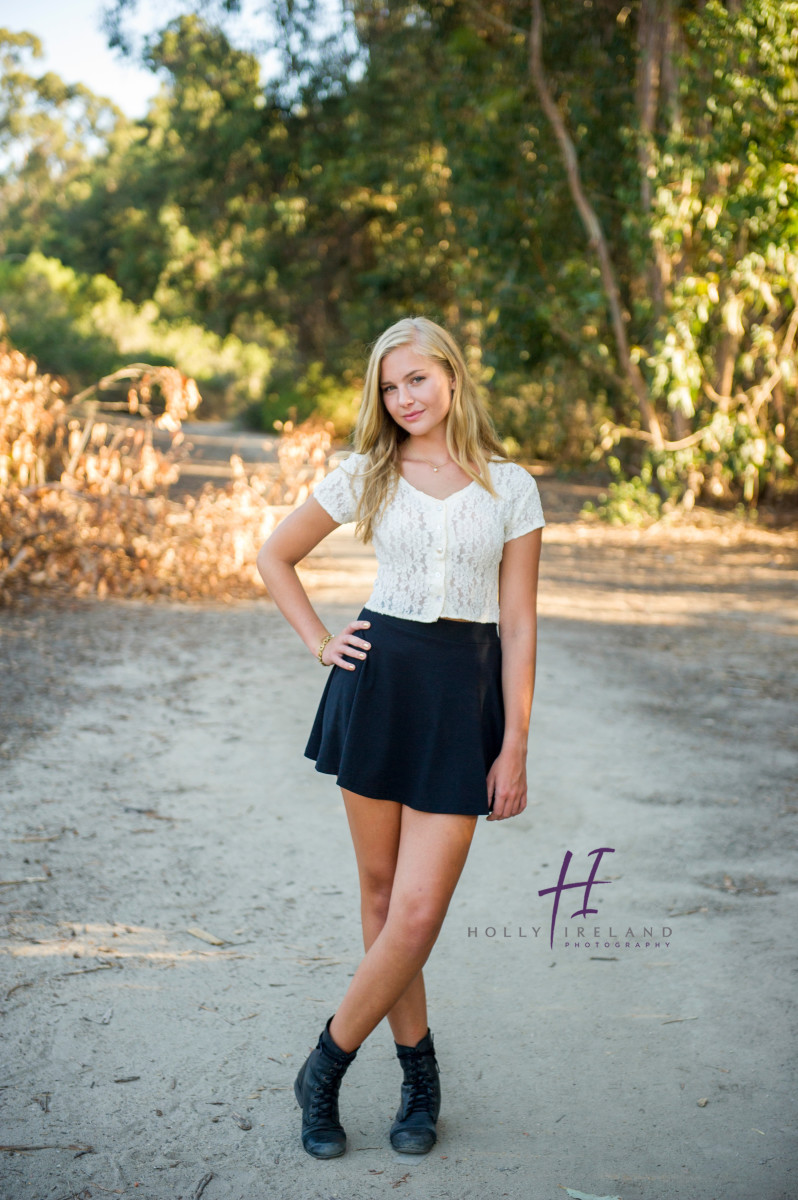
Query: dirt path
x: 153, y: 783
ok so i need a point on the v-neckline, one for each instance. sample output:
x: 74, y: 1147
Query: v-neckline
x: 437, y: 499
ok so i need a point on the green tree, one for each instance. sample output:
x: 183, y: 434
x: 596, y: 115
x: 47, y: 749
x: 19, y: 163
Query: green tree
x: 600, y: 200
x: 50, y: 133
x: 699, y: 287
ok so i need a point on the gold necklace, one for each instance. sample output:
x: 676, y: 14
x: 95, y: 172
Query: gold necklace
x: 426, y: 460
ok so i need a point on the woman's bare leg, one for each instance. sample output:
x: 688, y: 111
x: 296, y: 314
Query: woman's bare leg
x: 375, y: 826
x: 432, y: 851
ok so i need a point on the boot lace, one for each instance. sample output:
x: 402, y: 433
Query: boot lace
x: 419, y: 1077
x: 325, y: 1093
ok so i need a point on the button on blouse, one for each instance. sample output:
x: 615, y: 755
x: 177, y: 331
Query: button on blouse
x: 439, y: 558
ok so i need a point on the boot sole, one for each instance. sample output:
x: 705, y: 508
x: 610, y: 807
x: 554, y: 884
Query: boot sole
x: 413, y: 1149
x: 410, y: 1149
x: 337, y: 1152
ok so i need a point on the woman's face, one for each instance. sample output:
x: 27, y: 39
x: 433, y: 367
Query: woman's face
x: 416, y: 390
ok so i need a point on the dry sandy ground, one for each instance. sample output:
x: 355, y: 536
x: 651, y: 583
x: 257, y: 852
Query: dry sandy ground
x: 154, y: 783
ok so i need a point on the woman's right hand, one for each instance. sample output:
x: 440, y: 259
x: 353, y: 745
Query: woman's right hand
x: 346, y: 642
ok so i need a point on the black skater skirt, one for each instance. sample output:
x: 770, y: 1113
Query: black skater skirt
x: 420, y: 720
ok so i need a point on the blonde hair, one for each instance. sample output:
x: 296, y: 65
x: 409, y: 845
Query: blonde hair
x: 470, y: 434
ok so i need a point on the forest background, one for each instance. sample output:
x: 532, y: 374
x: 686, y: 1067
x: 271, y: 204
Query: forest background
x: 599, y: 199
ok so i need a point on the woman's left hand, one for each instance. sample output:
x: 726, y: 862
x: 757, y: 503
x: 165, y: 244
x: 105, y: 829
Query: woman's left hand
x: 507, y: 783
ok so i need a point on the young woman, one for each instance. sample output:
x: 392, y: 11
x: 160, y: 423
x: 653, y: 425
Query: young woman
x: 425, y: 715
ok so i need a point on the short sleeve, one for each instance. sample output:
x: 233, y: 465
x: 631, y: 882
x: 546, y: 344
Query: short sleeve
x: 525, y: 511
x: 336, y: 493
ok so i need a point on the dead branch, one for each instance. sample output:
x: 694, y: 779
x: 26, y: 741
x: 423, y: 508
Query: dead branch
x: 201, y: 1186
x: 47, y: 1146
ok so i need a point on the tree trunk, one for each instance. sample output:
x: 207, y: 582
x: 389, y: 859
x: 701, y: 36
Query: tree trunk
x: 595, y: 233
x: 656, y: 82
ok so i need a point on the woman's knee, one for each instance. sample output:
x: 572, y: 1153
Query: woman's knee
x: 415, y: 924
x: 375, y: 894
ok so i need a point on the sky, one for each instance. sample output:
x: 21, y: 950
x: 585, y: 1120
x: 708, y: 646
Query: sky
x: 75, y: 48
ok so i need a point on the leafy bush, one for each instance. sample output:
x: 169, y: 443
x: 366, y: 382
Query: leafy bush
x: 627, y: 501
x: 553, y: 416
x: 81, y: 327
x: 298, y: 394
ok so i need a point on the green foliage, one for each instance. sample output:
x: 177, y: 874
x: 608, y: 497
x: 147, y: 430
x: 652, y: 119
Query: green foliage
x: 724, y: 214
x: 295, y: 394
x: 627, y: 501
x: 49, y: 308
x: 82, y: 327
x: 49, y: 133
x: 555, y: 411
x: 267, y: 232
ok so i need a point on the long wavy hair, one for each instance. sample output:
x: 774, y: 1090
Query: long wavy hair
x: 470, y: 434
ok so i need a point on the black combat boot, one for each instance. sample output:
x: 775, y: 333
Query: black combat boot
x: 316, y: 1090
x: 413, y: 1131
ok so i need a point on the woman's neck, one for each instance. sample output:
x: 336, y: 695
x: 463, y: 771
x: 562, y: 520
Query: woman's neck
x: 434, y: 448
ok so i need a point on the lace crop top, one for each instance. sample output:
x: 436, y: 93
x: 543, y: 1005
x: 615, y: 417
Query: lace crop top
x: 439, y: 558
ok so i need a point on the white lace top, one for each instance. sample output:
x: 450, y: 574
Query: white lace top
x: 439, y: 558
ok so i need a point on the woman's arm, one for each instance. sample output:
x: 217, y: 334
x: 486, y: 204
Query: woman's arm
x: 293, y: 539
x: 518, y: 590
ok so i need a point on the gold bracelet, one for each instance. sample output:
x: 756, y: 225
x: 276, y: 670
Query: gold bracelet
x: 328, y: 638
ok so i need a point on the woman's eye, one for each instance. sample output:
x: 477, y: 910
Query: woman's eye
x: 418, y: 379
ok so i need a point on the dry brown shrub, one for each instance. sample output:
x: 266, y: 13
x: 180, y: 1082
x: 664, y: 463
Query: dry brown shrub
x: 32, y: 430
x: 84, y: 503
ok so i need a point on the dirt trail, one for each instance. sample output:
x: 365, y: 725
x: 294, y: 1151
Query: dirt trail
x: 153, y: 784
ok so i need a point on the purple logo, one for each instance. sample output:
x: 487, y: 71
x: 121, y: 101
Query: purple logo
x: 561, y: 886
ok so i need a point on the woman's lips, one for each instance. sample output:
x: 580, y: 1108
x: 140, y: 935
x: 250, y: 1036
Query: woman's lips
x: 412, y: 416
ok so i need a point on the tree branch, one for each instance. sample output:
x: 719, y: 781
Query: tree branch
x: 644, y: 436
x: 592, y: 225
x: 756, y: 396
